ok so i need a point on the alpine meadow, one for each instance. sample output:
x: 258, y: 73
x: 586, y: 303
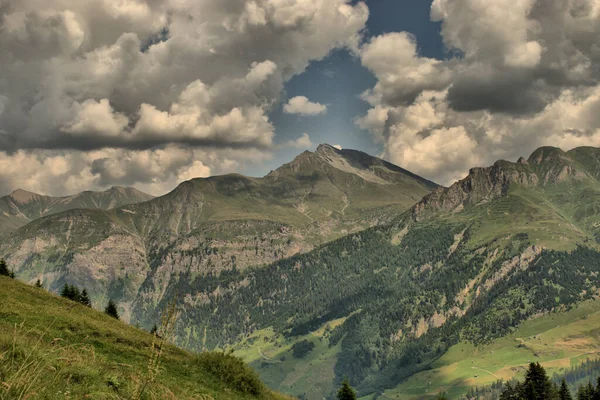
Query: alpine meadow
x: 300, y: 199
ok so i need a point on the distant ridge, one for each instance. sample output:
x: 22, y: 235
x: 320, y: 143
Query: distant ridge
x: 21, y: 206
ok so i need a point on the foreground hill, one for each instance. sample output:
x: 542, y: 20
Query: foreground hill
x: 210, y: 226
x: 53, y: 348
x: 466, y: 265
x: 21, y: 207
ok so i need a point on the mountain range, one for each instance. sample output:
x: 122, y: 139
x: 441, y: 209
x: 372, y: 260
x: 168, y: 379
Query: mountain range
x: 210, y: 225
x: 340, y: 264
x: 21, y: 207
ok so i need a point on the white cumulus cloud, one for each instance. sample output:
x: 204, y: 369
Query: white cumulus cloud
x: 301, y: 105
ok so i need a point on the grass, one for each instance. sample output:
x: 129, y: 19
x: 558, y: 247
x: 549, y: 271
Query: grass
x: 557, y: 340
x: 272, y: 356
x: 53, y: 348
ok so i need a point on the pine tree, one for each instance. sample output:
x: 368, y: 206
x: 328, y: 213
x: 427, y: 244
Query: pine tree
x: 75, y: 293
x: 85, y: 299
x: 38, y: 284
x: 71, y: 292
x: 512, y: 393
x: 111, y: 309
x: 586, y: 392
x: 564, y: 393
x: 66, y: 291
x: 346, y: 392
x: 537, y: 385
x: 596, y: 395
x: 4, y: 271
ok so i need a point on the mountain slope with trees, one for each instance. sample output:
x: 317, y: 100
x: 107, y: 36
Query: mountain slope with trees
x: 467, y: 263
x: 215, y: 225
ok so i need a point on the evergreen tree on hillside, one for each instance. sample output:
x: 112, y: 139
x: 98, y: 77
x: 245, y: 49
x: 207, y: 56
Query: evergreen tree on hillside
x: 38, y: 284
x: 346, y: 392
x: 85, y: 299
x: 70, y: 292
x: 66, y: 291
x: 111, y: 309
x: 596, y: 395
x: 564, y: 393
x: 537, y: 385
x: 586, y: 392
x: 512, y: 392
x: 4, y: 271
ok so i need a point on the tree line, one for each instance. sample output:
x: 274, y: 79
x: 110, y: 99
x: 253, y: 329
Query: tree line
x: 73, y: 293
x: 68, y: 291
x: 538, y: 386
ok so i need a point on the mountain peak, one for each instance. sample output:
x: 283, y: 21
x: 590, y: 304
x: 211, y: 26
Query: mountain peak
x: 523, y: 161
x: 326, y: 148
x: 546, y: 153
x: 24, y: 196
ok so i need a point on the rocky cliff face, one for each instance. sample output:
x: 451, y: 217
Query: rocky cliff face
x: 545, y: 166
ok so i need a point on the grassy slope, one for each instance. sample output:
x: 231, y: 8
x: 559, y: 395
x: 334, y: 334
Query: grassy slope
x: 54, y: 348
x: 272, y: 355
x: 557, y: 340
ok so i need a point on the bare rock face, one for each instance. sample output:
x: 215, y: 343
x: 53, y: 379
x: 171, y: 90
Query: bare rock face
x: 547, y: 165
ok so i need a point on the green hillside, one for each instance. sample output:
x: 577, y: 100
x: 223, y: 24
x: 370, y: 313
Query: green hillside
x: 52, y: 348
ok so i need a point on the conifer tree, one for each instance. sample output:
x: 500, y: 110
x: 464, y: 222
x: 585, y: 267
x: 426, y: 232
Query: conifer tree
x: 564, y: 393
x: 76, y: 294
x: 537, y: 385
x: 85, y: 299
x: 4, y: 271
x: 346, y: 392
x: 111, y: 309
x: 66, y: 291
x: 586, y: 392
x: 71, y: 292
x: 38, y: 284
x: 596, y: 395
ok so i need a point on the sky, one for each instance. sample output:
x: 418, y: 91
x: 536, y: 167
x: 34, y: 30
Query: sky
x: 148, y: 93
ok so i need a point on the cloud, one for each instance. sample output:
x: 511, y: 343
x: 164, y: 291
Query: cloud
x: 519, y: 55
x: 96, y: 118
x: 135, y: 77
x: 301, y: 105
x: 402, y: 74
x: 59, y: 172
x: 303, y: 142
x: 523, y: 74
